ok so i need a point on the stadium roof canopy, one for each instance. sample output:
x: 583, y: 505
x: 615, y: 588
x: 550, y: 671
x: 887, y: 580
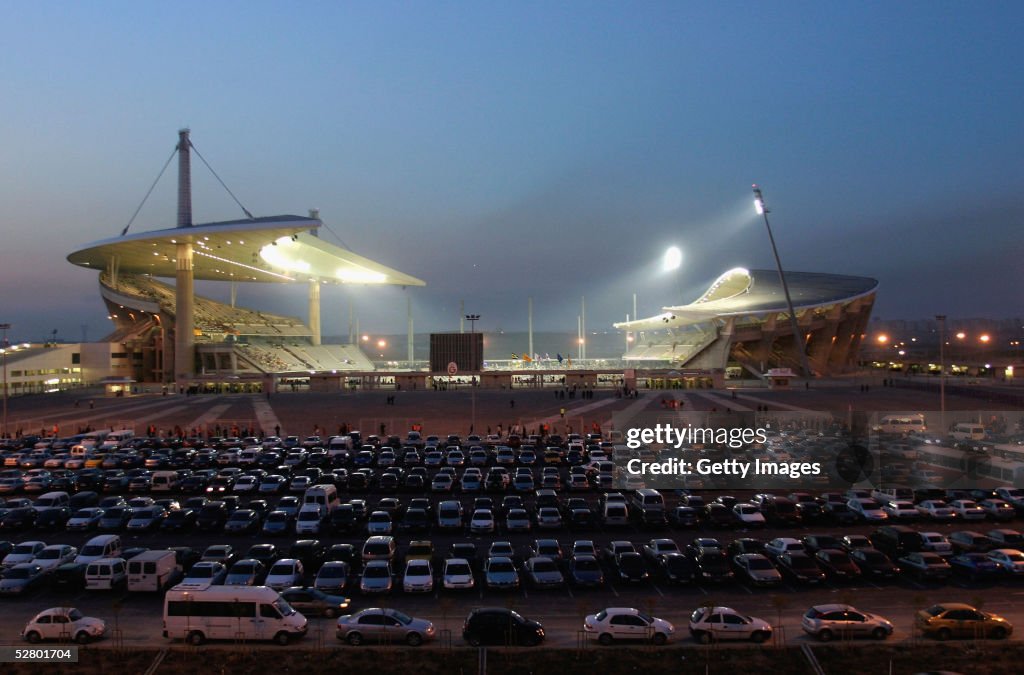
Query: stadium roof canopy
x: 741, y: 292
x: 279, y: 249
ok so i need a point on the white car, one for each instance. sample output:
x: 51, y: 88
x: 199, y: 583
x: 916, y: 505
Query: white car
x: 245, y: 484
x: 25, y: 552
x: 418, y: 577
x: 58, y: 623
x: 966, y: 509
x: 1008, y: 559
x: 482, y: 522
x: 458, y: 574
x: 901, y: 510
x: 709, y: 624
x: 285, y: 573
x: 626, y: 623
x: 936, y: 509
x: 780, y: 545
x: 379, y: 523
x: 868, y: 509
x: 749, y: 515
x: 936, y: 542
x: 55, y: 555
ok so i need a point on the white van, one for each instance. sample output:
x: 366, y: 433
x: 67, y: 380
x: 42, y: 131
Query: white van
x: 615, y: 513
x: 105, y: 574
x: 164, y: 481
x: 646, y: 499
x: 153, y: 571
x: 100, y: 546
x: 94, y: 438
x: 230, y: 613
x: 249, y: 455
x: 325, y: 495
x: 52, y: 500
x: 904, y: 423
x: 310, y: 519
x: 968, y: 431
x: 339, y: 445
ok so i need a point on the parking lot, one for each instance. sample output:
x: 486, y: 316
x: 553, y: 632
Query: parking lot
x: 136, y: 617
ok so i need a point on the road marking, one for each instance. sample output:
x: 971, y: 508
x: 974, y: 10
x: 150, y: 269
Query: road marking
x: 613, y: 590
x: 211, y: 415
x: 658, y: 589
x: 570, y: 592
x: 746, y: 588
x: 702, y: 590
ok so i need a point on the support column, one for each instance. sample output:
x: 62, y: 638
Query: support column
x: 184, y: 326
x: 184, y: 321
x: 234, y: 293
x: 408, y: 311
x: 583, y: 328
x: 529, y: 326
x: 314, y: 311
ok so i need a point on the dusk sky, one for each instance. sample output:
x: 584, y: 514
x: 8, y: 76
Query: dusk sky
x: 506, y: 150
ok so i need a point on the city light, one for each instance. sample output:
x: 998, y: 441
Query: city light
x: 882, y: 339
x: 985, y: 337
x: 961, y: 335
x: 382, y: 344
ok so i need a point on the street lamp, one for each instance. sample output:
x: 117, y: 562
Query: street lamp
x: 941, y: 318
x: 6, y: 347
x: 798, y: 342
x: 472, y: 319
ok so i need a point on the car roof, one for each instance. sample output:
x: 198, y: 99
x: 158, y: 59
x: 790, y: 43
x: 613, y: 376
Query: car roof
x: 833, y: 607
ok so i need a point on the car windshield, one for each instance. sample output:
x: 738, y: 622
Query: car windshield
x: 587, y: 565
x: 18, y: 573
x: 458, y: 569
x: 281, y: 569
x: 759, y: 564
x: 874, y: 557
x: 201, y: 571
x: 74, y: 615
x: 375, y: 572
x: 501, y: 566
x: 332, y: 571
x: 1015, y: 557
x: 405, y: 619
x: 800, y: 562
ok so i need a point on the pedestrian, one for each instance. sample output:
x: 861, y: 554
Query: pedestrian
x: 511, y: 403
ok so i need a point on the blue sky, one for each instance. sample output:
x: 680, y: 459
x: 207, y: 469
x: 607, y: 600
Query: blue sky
x: 506, y: 150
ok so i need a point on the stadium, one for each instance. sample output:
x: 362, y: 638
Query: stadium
x: 742, y: 321
x: 170, y: 334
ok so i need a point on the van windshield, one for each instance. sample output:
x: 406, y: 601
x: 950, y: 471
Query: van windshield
x: 282, y: 606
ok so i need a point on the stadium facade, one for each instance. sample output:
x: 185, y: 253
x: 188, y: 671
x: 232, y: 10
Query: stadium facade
x: 742, y: 319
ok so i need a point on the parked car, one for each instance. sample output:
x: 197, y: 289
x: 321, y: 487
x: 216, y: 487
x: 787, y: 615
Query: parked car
x: 627, y: 623
x: 709, y: 624
x: 61, y: 623
x: 954, y: 619
x: 384, y: 625
x: 314, y: 602
x: 501, y: 626
x: 844, y: 621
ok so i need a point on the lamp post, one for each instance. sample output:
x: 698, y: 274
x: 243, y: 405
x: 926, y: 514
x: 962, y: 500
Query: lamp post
x: 941, y: 318
x: 6, y: 346
x: 472, y: 319
x: 798, y: 342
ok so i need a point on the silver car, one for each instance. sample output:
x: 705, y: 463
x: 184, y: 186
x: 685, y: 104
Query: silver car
x: 500, y: 573
x: 543, y: 573
x: 828, y: 621
x: 377, y: 577
x: 384, y: 625
x: 21, y: 578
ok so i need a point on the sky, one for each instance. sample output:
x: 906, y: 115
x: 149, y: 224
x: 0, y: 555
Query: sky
x: 507, y: 150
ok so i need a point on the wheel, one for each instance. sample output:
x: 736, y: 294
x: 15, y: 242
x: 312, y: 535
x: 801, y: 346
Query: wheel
x: 605, y: 639
x: 998, y: 633
x: 825, y: 635
x: 944, y: 634
x: 531, y: 641
x: 704, y: 638
x: 195, y: 638
x: 82, y: 638
x: 33, y: 637
x: 282, y: 639
x: 414, y: 639
x: 659, y: 638
x: 758, y: 637
x: 473, y: 640
x: 355, y: 639
x: 330, y: 612
x: 879, y: 633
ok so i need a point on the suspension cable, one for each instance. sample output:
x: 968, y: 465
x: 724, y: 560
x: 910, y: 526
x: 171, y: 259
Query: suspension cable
x: 198, y: 154
x: 150, y: 191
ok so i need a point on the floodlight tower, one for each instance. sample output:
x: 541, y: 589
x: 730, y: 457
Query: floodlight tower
x: 798, y: 342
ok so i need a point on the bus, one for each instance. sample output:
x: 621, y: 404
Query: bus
x: 238, y: 613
